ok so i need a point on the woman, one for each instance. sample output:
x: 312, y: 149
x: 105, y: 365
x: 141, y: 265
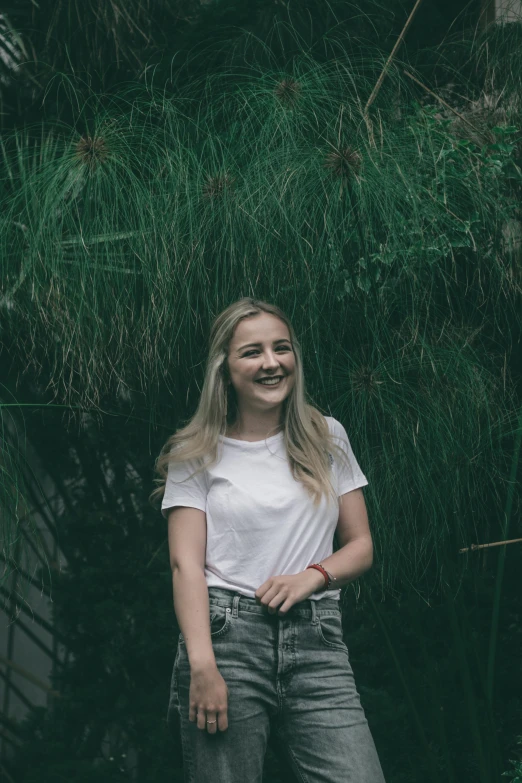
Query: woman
x: 257, y: 484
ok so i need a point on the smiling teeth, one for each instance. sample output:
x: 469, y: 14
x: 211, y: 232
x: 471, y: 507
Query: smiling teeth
x: 271, y: 382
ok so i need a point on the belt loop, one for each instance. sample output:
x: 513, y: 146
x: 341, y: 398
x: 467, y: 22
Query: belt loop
x: 314, y: 611
x: 235, y: 603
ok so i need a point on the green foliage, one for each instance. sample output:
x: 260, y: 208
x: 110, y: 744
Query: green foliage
x: 392, y: 238
x: 515, y: 774
x: 115, y: 232
x: 107, y: 42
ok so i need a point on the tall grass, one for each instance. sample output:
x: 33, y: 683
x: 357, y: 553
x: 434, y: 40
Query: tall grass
x: 391, y: 239
x: 122, y: 236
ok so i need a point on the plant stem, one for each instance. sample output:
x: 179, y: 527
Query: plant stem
x: 416, y: 718
x: 471, y: 701
x: 493, y: 543
x: 390, y: 58
x: 441, y: 100
x: 501, y: 562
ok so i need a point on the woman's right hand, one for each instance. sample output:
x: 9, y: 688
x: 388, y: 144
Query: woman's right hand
x: 208, y: 699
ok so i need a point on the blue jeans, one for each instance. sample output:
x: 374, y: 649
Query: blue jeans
x: 289, y: 675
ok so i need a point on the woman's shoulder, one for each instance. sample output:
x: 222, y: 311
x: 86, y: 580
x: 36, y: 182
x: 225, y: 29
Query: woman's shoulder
x: 337, y: 431
x: 333, y: 424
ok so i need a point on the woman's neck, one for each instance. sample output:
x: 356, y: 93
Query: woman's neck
x: 256, y: 431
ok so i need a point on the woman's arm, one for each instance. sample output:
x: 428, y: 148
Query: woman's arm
x: 208, y: 694
x: 187, y: 546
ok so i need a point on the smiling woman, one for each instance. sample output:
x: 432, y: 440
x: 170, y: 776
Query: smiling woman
x: 260, y: 354
x: 257, y: 483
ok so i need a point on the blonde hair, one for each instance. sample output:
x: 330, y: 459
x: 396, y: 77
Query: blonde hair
x: 306, y: 435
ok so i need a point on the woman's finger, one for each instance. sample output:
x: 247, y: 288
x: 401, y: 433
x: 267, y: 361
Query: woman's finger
x: 271, y: 598
x: 211, y: 727
x: 222, y: 717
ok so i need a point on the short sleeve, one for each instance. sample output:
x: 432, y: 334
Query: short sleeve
x: 346, y: 479
x: 183, y: 491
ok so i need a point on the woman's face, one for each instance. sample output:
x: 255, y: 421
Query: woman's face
x: 261, y: 348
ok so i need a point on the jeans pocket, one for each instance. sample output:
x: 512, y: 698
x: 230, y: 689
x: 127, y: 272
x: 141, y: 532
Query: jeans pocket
x: 219, y: 622
x: 330, y: 629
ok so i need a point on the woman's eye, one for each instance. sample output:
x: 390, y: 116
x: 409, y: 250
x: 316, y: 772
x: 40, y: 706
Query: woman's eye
x: 280, y: 347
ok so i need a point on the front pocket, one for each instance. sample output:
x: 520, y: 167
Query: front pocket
x: 219, y: 623
x: 330, y: 630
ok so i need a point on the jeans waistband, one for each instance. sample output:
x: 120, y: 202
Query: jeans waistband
x: 220, y: 596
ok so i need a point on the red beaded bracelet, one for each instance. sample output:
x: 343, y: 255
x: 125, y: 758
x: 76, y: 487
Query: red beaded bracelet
x: 322, y: 570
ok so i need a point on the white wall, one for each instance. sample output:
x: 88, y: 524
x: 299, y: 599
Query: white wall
x: 508, y: 10
x: 24, y: 652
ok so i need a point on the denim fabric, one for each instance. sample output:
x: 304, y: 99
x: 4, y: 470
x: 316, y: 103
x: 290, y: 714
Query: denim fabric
x: 288, y: 675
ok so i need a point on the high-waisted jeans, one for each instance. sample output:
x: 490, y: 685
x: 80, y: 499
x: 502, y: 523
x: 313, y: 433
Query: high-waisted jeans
x: 288, y: 675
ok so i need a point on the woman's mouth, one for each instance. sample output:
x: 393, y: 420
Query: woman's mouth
x: 275, y: 381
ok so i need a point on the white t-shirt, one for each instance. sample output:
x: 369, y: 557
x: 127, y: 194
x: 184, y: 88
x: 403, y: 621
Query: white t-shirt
x: 261, y: 522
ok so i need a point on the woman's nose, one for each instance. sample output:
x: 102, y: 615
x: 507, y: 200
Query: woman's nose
x: 270, y: 360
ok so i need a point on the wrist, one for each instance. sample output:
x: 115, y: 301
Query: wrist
x: 316, y: 579
x: 201, y: 664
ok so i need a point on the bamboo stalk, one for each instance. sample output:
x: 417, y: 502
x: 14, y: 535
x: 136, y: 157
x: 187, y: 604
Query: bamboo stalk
x: 390, y: 58
x: 495, y: 543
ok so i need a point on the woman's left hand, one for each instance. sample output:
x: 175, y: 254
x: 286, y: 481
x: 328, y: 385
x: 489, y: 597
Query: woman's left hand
x: 286, y: 590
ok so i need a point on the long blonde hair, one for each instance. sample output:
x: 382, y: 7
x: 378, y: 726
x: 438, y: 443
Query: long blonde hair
x: 308, y: 441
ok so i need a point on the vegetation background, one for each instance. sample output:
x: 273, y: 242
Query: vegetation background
x: 160, y: 160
